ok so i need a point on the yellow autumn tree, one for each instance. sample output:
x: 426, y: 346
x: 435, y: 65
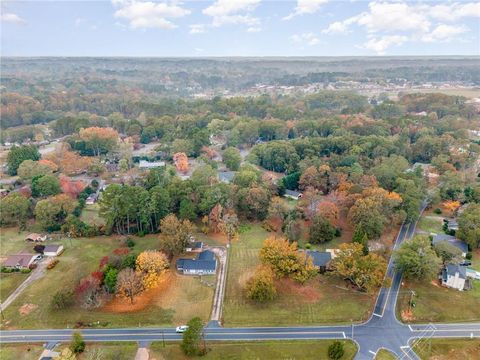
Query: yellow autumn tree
x: 451, y: 205
x: 151, y: 264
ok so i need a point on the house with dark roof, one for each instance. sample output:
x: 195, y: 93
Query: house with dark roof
x: 52, y: 250
x: 451, y: 240
x: 293, y: 194
x: 20, y: 261
x: 320, y: 259
x: 204, y: 264
x: 454, y: 276
x: 36, y: 237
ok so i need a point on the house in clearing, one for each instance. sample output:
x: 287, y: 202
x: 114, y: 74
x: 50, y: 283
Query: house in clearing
x: 226, y: 176
x: 197, y: 246
x: 53, y: 250
x: 20, y: 261
x: 204, y: 264
x: 36, y: 237
x: 451, y: 240
x: 144, y: 164
x: 454, y: 276
x: 293, y: 194
x: 91, y: 199
x: 320, y: 259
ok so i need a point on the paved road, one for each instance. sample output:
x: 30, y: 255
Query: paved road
x: 382, y: 330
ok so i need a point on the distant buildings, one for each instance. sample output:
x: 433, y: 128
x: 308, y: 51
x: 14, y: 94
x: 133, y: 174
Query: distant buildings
x: 34, y: 237
x: 143, y: 164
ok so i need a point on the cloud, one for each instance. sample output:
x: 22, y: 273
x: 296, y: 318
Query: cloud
x: 444, y: 33
x: 379, y: 45
x: 309, y: 39
x: 393, y: 23
x: 228, y: 12
x: 197, y: 28
x: 148, y: 14
x: 306, y: 7
x: 12, y: 18
x: 254, y: 29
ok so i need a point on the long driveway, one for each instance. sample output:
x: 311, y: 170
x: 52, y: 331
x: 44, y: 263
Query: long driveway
x: 382, y: 330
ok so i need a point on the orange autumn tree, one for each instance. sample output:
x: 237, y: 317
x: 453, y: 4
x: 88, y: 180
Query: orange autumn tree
x: 99, y: 140
x: 71, y: 187
x: 451, y: 205
x: 181, y: 161
x: 329, y: 211
x: 50, y: 164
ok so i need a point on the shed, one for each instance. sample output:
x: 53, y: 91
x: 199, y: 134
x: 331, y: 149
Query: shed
x: 36, y: 237
x: 293, y: 194
x: 320, y: 259
x: 52, y: 250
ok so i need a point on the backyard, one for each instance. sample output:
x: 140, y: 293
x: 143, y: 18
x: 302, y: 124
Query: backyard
x: 177, y: 299
x: 322, y: 300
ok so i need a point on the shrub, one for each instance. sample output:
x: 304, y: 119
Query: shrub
x: 94, y: 183
x: 32, y: 266
x: 308, y: 246
x: 7, y: 270
x: 77, y: 345
x: 335, y: 350
x: 62, y: 300
x: 25, y: 271
x: 39, y: 248
x: 437, y: 211
x: 130, y: 243
x: 52, y: 264
x: 338, y: 232
x: 469, y: 256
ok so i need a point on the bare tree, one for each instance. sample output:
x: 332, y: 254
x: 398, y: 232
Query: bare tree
x: 129, y: 283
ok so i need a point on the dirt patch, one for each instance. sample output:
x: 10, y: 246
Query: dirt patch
x: 407, y: 315
x: 435, y: 283
x: 123, y: 305
x: 307, y: 293
x: 27, y: 309
x: 246, y: 275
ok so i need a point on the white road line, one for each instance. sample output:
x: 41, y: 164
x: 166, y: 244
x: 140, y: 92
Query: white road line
x: 344, y: 335
x: 371, y: 352
x: 377, y: 315
x: 405, y: 347
x: 410, y: 327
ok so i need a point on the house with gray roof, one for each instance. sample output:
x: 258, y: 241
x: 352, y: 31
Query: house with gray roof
x: 452, y: 240
x: 293, y: 194
x: 320, y: 259
x: 226, y: 176
x: 454, y: 276
x: 204, y: 264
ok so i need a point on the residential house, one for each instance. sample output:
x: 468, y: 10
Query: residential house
x: 91, y: 199
x: 36, y: 237
x: 53, y: 250
x: 197, y: 246
x: 20, y: 261
x: 452, y: 224
x: 150, y: 164
x: 204, y: 264
x: 454, y: 276
x: 453, y: 241
x: 320, y: 259
x: 293, y: 194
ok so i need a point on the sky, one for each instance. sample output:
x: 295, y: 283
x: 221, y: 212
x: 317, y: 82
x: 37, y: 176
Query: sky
x: 239, y: 28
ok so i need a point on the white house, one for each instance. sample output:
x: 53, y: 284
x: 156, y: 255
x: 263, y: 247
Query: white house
x: 293, y: 194
x: 52, y: 250
x: 454, y: 276
x: 150, y: 165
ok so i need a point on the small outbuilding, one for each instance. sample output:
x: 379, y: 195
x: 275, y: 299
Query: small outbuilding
x: 320, y: 259
x: 53, y: 250
x: 34, y: 237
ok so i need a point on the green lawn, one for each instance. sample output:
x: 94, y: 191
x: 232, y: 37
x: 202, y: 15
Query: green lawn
x: 383, y: 354
x: 323, y: 300
x: 291, y: 350
x: 90, y: 215
x: 184, y: 297
x: 431, y: 224
x: 9, y: 282
x: 440, y: 304
x: 12, y: 241
x: 20, y: 352
x: 448, y: 349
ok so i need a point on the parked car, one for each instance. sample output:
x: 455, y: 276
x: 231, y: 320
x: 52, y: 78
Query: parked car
x: 466, y: 263
x: 181, y: 328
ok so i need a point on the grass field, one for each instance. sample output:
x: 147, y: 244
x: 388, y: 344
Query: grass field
x: 90, y: 215
x: 448, y: 349
x: 20, y: 352
x: 12, y: 242
x: 9, y: 282
x: 383, y: 354
x: 439, y: 304
x: 291, y: 350
x: 323, y: 300
x: 431, y: 224
x: 184, y: 297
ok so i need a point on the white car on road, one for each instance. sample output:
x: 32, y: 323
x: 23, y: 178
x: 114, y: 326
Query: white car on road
x: 181, y: 328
